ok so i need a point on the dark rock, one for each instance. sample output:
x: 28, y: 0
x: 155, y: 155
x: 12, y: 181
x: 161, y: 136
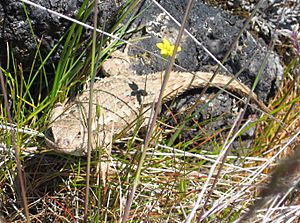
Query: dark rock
x: 216, y: 30
x: 275, y: 19
x: 46, y: 26
x: 213, y: 114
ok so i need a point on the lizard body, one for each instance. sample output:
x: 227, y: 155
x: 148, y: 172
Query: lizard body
x: 120, y: 99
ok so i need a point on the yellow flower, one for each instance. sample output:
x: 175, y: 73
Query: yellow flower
x: 166, y: 48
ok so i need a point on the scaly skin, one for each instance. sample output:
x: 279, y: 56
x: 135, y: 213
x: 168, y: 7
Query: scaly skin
x: 121, y: 99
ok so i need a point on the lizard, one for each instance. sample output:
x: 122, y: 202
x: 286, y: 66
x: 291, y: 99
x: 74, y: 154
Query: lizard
x: 120, y: 99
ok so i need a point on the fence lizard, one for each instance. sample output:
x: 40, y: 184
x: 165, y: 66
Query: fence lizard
x: 120, y: 98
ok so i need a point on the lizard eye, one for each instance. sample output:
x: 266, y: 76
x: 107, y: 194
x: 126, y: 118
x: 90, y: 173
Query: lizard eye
x: 49, y: 134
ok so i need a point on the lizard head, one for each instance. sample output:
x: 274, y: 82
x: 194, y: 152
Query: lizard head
x: 66, y: 133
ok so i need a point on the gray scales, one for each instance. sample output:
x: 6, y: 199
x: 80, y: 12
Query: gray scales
x: 120, y: 98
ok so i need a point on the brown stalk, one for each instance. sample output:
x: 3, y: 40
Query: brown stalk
x: 14, y: 144
x: 93, y: 65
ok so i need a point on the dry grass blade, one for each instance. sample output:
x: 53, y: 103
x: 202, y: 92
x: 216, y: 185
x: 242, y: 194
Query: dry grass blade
x: 284, y: 179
